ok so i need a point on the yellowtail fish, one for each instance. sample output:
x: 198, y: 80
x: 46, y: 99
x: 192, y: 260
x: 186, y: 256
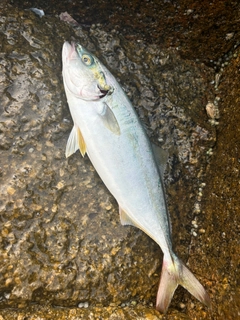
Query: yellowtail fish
x: 107, y: 128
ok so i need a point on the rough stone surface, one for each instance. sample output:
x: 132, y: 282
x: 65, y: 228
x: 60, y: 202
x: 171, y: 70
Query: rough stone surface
x: 205, y: 30
x: 97, y: 313
x: 61, y: 242
x: 221, y: 201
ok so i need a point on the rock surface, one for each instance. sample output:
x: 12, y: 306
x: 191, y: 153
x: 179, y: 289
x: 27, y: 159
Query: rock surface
x: 61, y: 242
x: 206, y: 30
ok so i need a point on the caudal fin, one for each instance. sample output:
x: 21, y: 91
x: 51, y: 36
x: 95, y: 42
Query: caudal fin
x: 175, y: 273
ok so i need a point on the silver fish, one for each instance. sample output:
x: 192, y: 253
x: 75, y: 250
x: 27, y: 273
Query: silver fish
x: 107, y: 128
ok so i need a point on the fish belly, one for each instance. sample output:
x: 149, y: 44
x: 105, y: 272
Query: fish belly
x: 127, y: 167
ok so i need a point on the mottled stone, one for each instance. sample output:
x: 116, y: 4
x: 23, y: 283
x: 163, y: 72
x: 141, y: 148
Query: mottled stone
x: 205, y: 30
x: 221, y: 204
x: 97, y: 313
x: 61, y: 242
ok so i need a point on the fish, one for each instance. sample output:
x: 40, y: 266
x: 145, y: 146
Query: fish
x: 107, y: 128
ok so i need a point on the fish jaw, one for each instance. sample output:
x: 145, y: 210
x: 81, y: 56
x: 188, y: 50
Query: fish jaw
x: 68, y: 51
x: 82, y: 74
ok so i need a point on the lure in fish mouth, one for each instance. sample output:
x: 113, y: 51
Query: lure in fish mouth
x: 89, y: 81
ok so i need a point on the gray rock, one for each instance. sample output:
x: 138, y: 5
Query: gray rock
x: 61, y: 241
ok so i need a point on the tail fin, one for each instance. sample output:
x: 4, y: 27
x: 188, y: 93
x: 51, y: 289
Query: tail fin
x: 175, y: 273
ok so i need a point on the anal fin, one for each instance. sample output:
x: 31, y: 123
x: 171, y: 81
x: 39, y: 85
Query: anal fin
x: 124, y: 218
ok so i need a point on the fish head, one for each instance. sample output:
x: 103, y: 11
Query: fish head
x: 83, y: 74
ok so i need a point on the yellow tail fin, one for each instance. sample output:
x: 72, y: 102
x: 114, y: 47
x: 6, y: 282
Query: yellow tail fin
x: 175, y: 273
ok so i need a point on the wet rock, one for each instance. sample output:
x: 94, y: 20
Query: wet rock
x: 110, y: 313
x: 61, y: 241
x: 221, y: 202
x: 201, y: 30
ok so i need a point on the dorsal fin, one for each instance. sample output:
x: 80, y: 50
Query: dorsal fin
x: 161, y: 157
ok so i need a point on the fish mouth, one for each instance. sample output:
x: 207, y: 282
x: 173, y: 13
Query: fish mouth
x: 104, y: 92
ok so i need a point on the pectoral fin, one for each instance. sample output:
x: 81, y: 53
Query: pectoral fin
x: 75, y: 142
x: 109, y: 120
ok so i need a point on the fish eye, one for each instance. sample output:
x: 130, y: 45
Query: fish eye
x: 87, y: 59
